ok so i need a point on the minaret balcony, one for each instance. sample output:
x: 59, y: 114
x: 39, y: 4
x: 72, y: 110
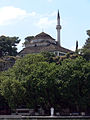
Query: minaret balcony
x: 58, y: 27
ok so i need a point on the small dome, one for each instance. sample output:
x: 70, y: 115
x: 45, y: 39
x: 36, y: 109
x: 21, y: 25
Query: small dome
x: 43, y: 35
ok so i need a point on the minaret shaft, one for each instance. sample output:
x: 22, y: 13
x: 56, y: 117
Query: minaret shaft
x: 58, y: 27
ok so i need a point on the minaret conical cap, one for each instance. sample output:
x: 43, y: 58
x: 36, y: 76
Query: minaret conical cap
x: 58, y: 16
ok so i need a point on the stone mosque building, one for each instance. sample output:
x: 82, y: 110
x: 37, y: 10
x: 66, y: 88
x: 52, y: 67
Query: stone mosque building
x: 43, y: 42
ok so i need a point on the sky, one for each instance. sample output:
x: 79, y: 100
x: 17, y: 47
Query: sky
x: 24, y: 18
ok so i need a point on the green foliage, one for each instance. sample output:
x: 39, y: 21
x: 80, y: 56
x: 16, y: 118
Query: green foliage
x: 48, y: 56
x: 88, y: 33
x: 24, y: 65
x: 86, y: 54
x: 77, y: 87
x: 28, y: 39
x: 65, y: 85
x: 13, y: 91
x: 86, y: 48
x: 41, y: 82
x: 8, y: 45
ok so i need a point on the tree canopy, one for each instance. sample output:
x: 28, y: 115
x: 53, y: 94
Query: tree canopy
x: 8, y: 45
x: 86, y: 47
x: 45, y: 83
x: 28, y: 39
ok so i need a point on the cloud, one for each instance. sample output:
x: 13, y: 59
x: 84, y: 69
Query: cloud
x: 45, y: 22
x: 33, y: 14
x: 10, y: 13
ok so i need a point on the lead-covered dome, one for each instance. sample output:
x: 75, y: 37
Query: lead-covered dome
x: 43, y: 35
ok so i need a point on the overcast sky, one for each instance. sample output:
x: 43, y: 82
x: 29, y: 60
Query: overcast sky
x: 24, y: 18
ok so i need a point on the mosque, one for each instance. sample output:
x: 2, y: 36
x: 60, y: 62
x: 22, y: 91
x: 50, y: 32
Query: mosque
x: 43, y: 42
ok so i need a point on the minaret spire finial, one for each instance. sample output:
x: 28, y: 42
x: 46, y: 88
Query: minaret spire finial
x: 58, y: 16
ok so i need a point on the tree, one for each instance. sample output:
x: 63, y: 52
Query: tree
x: 86, y: 48
x: 88, y: 33
x: 41, y: 85
x: 65, y: 85
x: 11, y: 89
x: 27, y: 40
x: 48, y: 56
x: 37, y: 77
x: 8, y: 45
x: 78, y: 83
x: 76, y: 51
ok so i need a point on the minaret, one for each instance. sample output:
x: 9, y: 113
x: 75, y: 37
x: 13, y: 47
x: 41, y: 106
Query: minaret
x: 58, y: 27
